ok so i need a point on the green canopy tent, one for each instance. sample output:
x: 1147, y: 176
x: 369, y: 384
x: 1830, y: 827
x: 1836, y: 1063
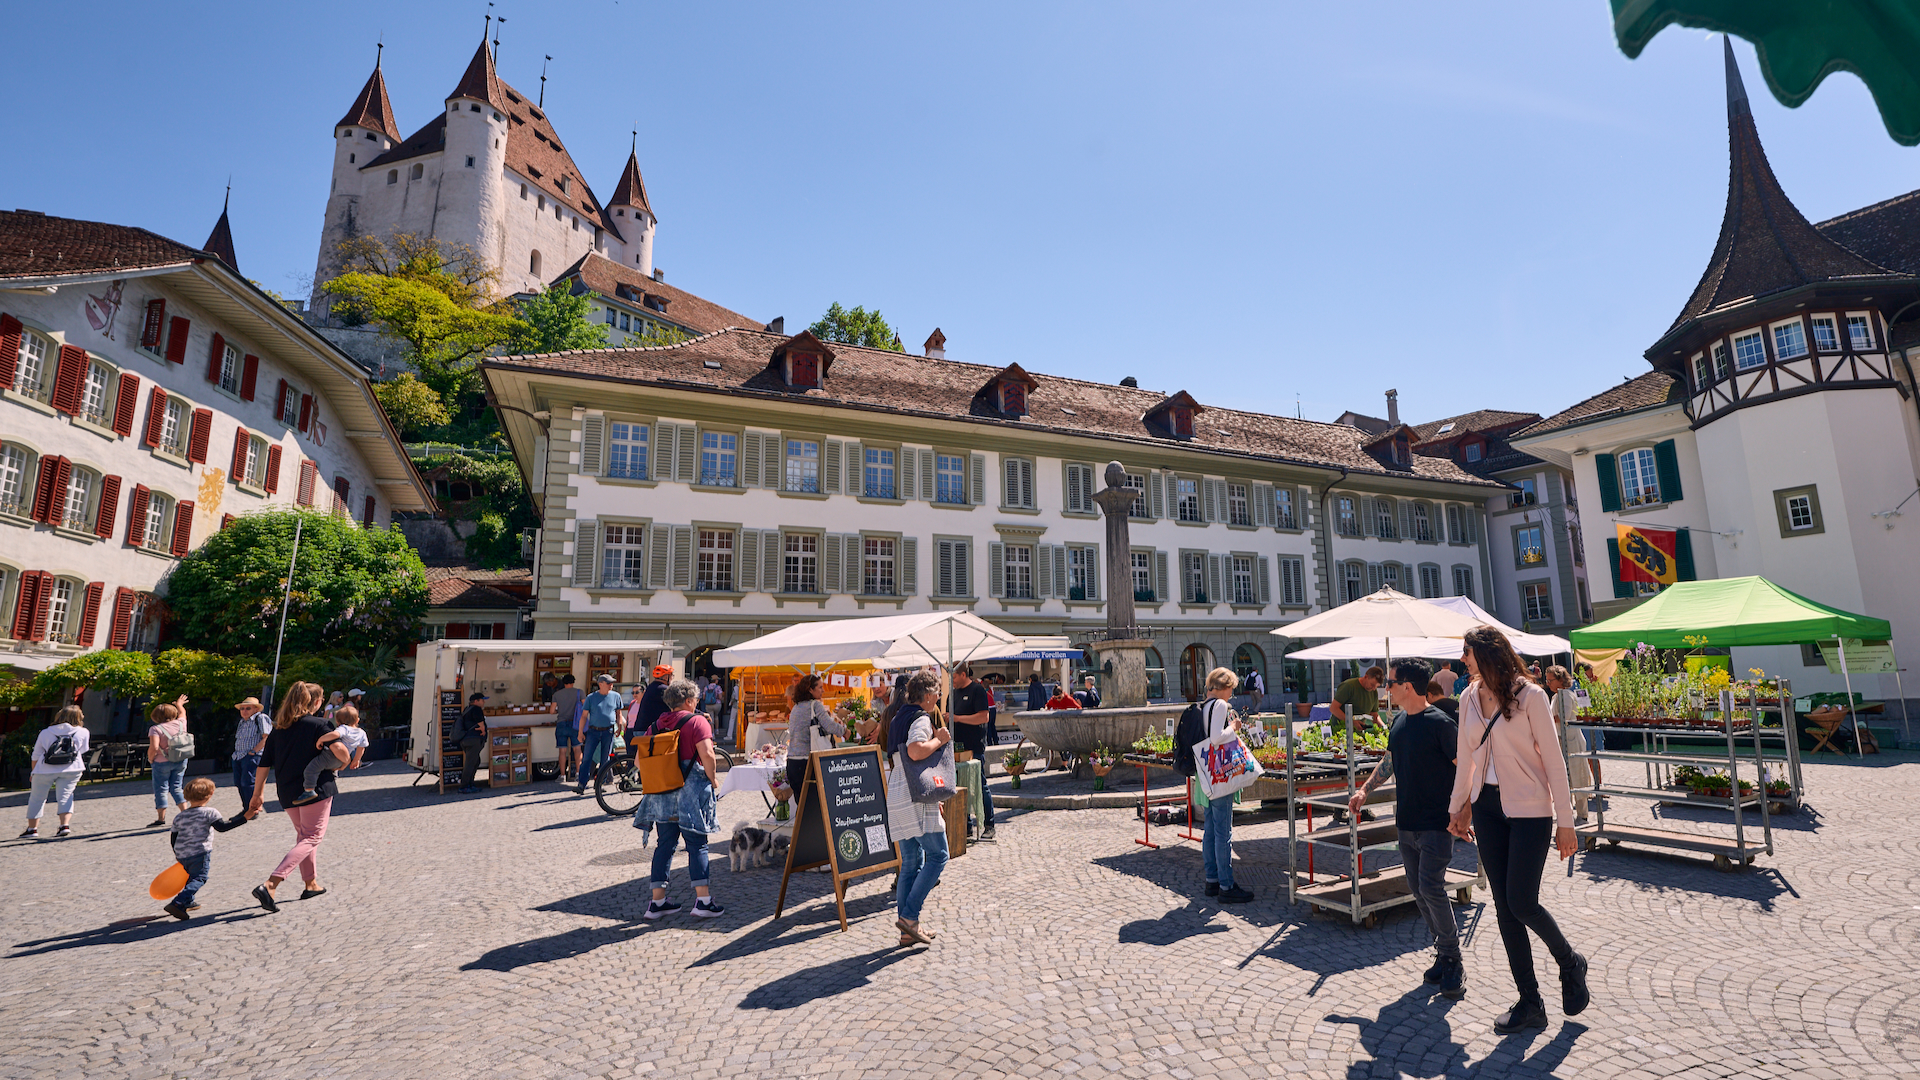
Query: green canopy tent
x: 1734, y: 611
x: 1801, y: 43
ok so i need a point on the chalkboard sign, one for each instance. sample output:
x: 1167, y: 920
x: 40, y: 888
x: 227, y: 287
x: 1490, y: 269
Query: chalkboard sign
x: 452, y: 760
x: 841, y: 821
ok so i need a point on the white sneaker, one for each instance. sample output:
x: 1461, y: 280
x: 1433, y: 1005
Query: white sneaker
x: 707, y: 909
x: 658, y: 908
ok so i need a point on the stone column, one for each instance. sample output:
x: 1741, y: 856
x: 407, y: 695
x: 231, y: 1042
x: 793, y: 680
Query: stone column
x: 1124, y: 648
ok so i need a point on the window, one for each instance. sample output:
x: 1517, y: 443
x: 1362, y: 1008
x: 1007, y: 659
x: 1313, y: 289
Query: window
x: 1349, y: 521
x: 1188, y: 494
x: 1529, y: 546
x: 612, y: 317
x: 626, y: 321
x: 1080, y: 490
x: 253, y: 455
x: 533, y: 263
x: 1526, y: 496
x: 1383, y: 525
x: 719, y: 451
x: 1574, y: 542
x: 1193, y: 577
x: 954, y: 573
x: 393, y: 176
x: 1639, y: 483
x: 1390, y: 576
x: 1463, y: 581
x: 1283, y: 508
x: 1429, y: 582
x: 1473, y: 451
x: 1798, y: 510
x: 1351, y: 586
x: 154, y: 535
x: 35, y: 379
x: 1156, y: 675
x: 950, y: 485
x: 1536, y: 601
x: 1019, y: 569
x: 1859, y: 332
x: 77, y: 514
x: 173, y: 428
x: 1080, y: 573
x: 876, y: 566
x: 1749, y: 351
x: 1824, y: 337
x: 1141, y: 563
x: 877, y: 482
x: 289, y: 404
x: 803, y: 469
x: 623, y: 557
x: 1019, y: 483
x: 1700, y: 375
x: 1139, y: 509
x: 716, y: 561
x: 1293, y: 581
x: 230, y: 369
x: 1237, y: 505
x: 16, y: 483
x: 469, y: 161
x: 1790, y: 340
x: 95, y: 404
x: 800, y: 563
x: 1242, y: 580
x: 627, y: 450
x: 60, y: 623
x: 1422, y: 522
x: 418, y: 172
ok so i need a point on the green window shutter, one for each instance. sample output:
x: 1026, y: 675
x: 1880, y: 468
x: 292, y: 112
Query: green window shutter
x: 1160, y: 575
x: 1042, y: 571
x: 1214, y: 593
x: 659, y: 540
x: 1622, y: 590
x: 586, y: 552
x: 1682, y: 555
x: 904, y: 485
x: 907, y: 567
x: 1666, y: 466
x: 830, y: 467
x: 593, y: 441
x: 1093, y: 572
x: 774, y: 451
x: 771, y: 566
x: 747, y: 562
x: 1209, y: 508
x: 856, y: 476
x: 662, y: 451
x: 855, y: 581
x: 830, y: 563
x: 1262, y: 581
x: 928, y: 476
x: 683, y: 557
x: 1156, y: 499
x: 750, y: 455
x: 1060, y: 582
x: 1609, y: 474
x: 686, y: 455
x: 977, y: 488
x: 996, y: 568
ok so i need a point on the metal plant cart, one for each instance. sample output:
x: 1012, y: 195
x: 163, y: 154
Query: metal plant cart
x: 1659, y: 755
x: 1786, y: 755
x: 1353, y: 890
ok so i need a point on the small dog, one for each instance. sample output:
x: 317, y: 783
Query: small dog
x: 755, y: 847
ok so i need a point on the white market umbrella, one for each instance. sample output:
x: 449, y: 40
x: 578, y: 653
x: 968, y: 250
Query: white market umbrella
x: 1386, y: 614
x: 888, y: 641
x: 1523, y: 643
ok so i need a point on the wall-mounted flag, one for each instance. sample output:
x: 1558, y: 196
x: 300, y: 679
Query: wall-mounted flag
x: 1646, y: 554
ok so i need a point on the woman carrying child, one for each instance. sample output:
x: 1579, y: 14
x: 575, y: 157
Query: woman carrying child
x: 299, y: 728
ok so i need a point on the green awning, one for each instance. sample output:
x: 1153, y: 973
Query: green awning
x: 1801, y: 42
x: 1731, y: 611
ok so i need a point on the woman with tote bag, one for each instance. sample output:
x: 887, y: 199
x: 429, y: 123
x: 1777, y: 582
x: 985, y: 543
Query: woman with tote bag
x: 808, y: 726
x: 918, y: 827
x: 1216, y: 842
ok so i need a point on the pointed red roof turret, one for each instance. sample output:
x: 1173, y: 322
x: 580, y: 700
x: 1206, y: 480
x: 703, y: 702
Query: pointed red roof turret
x: 220, y: 241
x: 631, y: 190
x: 479, y: 82
x: 372, y: 110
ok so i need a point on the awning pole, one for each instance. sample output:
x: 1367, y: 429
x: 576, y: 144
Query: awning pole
x: 1899, y: 687
x: 1859, y: 744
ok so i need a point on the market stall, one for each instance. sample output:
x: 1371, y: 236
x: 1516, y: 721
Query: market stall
x: 520, y: 739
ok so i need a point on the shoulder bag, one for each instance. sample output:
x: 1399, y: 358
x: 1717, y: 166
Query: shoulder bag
x: 931, y: 779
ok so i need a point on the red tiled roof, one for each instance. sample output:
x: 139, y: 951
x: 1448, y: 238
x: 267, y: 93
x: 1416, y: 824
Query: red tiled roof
x: 631, y: 190
x: 1654, y: 389
x: 604, y: 276
x: 371, y: 109
x: 1481, y: 420
x: 35, y: 245
x: 461, y: 593
x: 479, y: 81
x: 877, y: 379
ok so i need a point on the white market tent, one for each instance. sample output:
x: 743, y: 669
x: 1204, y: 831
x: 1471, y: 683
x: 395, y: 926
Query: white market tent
x: 888, y: 641
x: 1444, y: 647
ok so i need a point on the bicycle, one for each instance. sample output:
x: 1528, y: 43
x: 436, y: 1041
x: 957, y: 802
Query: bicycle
x: 616, y: 786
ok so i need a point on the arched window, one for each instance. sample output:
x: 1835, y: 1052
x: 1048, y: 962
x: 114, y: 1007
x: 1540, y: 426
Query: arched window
x: 1383, y: 525
x: 393, y: 176
x: 1422, y: 522
x: 1639, y: 479
x: 418, y: 171
x: 1156, y: 675
x: 1349, y: 522
x: 1352, y: 581
x: 156, y: 532
x: 63, y: 609
x: 533, y: 263
x: 1248, y: 659
x: 1195, y: 661
x: 16, y: 479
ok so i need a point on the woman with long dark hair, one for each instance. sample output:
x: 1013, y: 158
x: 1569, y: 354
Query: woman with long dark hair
x: 808, y: 725
x: 298, y: 726
x: 1510, y: 796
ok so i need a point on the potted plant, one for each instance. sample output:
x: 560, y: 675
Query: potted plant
x: 782, y: 797
x: 1102, y: 760
x: 1016, y: 763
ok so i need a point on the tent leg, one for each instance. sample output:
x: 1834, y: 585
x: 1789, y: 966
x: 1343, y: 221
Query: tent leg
x: 1859, y: 744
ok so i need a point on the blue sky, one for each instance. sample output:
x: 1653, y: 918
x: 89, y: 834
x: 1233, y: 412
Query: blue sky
x: 1484, y: 206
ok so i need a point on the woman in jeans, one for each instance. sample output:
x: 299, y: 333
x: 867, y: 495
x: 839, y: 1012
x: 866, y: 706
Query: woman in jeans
x: 1216, y: 843
x: 1510, y: 792
x: 294, y: 741
x: 57, y: 778
x: 919, y: 828
x: 809, y: 714
x: 686, y: 814
x: 169, y: 777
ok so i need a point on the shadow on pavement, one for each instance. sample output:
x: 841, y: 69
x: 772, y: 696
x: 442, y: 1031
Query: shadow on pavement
x: 1410, y: 1037
x: 1660, y: 871
x: 795, y: 926
x: 572, y: 943
x: 123, y: 931
x: 823, y: 981
x: 1510, y: 1057
x: 1177, y: 925
x: 1328, y: 947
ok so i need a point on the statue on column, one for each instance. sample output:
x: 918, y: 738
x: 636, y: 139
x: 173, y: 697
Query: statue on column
x: 1116, y: 501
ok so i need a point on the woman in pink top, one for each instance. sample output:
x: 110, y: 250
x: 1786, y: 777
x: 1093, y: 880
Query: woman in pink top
x: 1510, y: 791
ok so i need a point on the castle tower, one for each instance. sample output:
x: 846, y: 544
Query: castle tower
x: 220, y: 240
x: 473, y: 163
x: 633, y: 215
x: 366, y: 131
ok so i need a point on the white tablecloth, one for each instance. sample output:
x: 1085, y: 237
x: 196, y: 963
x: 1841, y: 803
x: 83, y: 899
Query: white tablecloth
x: 751, y: 776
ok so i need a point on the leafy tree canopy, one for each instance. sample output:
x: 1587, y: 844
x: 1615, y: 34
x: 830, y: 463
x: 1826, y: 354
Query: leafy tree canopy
x: 352, y: 587
x: 444, y: 339
x: 412, y: 405
x: 500, y: 507
x: 856, y: 327
x: 557, y: 321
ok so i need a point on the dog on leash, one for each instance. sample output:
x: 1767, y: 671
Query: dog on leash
x: 755, y: 847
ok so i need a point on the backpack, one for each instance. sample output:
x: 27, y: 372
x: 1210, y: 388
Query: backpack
x: 180, y: 747
x: 62, y: 752
x: 1190, y: 732
x: 656, y: 756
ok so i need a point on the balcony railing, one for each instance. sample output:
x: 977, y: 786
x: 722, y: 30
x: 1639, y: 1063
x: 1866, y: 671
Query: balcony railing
x: 621, y: 581
x: 877, y: 491
x: 717, y: 478
x: 1144, y: 596
x: 808, y: 484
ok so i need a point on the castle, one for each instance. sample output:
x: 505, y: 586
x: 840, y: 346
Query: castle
x: 488, y: 172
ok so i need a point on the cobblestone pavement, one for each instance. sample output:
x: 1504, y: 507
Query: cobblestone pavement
x: 499, y: 936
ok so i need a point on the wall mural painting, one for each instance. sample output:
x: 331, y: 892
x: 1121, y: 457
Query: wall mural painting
x: 101, y: 310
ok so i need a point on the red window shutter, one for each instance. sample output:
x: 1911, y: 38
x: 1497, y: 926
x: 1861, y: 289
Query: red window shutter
x: 499, y: 630
x: 272, y: 480
x: 306, y: 410
x: 57, y: 498
x: 308, y: 474
x: 156, y: 416
x: 24, y: 605
x: 182, y: 527
x: 342, y: 489
x: 280, y: 403
x: 125, y: 402
x: 10, y: 332
x: 69, y: 378
x: 457, y: 630
x: 122, y: 618
x: 214, y: 356
x: 42, y: 607
x: 155, y: 323
x: 201, y: 434
x: 225, y: 520
x: 249, y: 375
x: 177, y: 329
x: 43, y: 488
x: 366, y: 515
x: 89, y: 613
x: 240, y: 441
x: 109, y: 507
x: 137, y: 515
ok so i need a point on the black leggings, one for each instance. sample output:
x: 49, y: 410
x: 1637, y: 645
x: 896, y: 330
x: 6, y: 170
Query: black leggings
x: 1514, y: 853
x: 796, y: 774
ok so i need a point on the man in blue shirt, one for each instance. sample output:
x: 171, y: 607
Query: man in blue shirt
x: 599, y: 717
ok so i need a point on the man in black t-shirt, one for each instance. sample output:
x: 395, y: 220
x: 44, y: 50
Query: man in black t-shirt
x: 1421, y: 747
x: 969, y: 712
x: 472, y: 734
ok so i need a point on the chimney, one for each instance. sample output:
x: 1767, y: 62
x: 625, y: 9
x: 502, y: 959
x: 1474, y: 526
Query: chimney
x: 778, y: 326
x: 1130, y: 381
x: 1393, y: 407
x: 659, y: 274
x: 936, y: 345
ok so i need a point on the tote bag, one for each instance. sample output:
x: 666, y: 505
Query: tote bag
x: 931, y: 780
x: 1224, y: 765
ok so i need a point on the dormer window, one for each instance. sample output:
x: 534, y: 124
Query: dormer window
x: 1007, y: 392
x: 1013, y: 399
x: 803, y: 371
x: 1173, y: 416
x: 1182, y: 422
x: 802, y: 362
x: 1473, y: 452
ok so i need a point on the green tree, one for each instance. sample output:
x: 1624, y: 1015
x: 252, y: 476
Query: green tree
x: 557, y: 321
x: 412, y: 405
x: 352, y: 587
x: 500, y: 508
x: 856, y: 327
x: 444, y: 339
x: 206, y: 677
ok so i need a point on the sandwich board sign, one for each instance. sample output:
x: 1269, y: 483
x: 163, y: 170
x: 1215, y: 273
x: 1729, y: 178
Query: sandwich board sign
x: 841, y: 821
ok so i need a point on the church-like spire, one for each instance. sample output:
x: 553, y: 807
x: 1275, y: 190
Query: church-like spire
x: 479, y: 81
x: 631, y: 190
x: 220, y: 240
x: 1765, y: 245
x: 372, y: 110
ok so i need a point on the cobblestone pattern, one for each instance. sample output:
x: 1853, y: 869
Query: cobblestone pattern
x: 499, y: 936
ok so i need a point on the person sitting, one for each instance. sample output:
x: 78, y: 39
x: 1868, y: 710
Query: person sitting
x: 1062, y: 700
